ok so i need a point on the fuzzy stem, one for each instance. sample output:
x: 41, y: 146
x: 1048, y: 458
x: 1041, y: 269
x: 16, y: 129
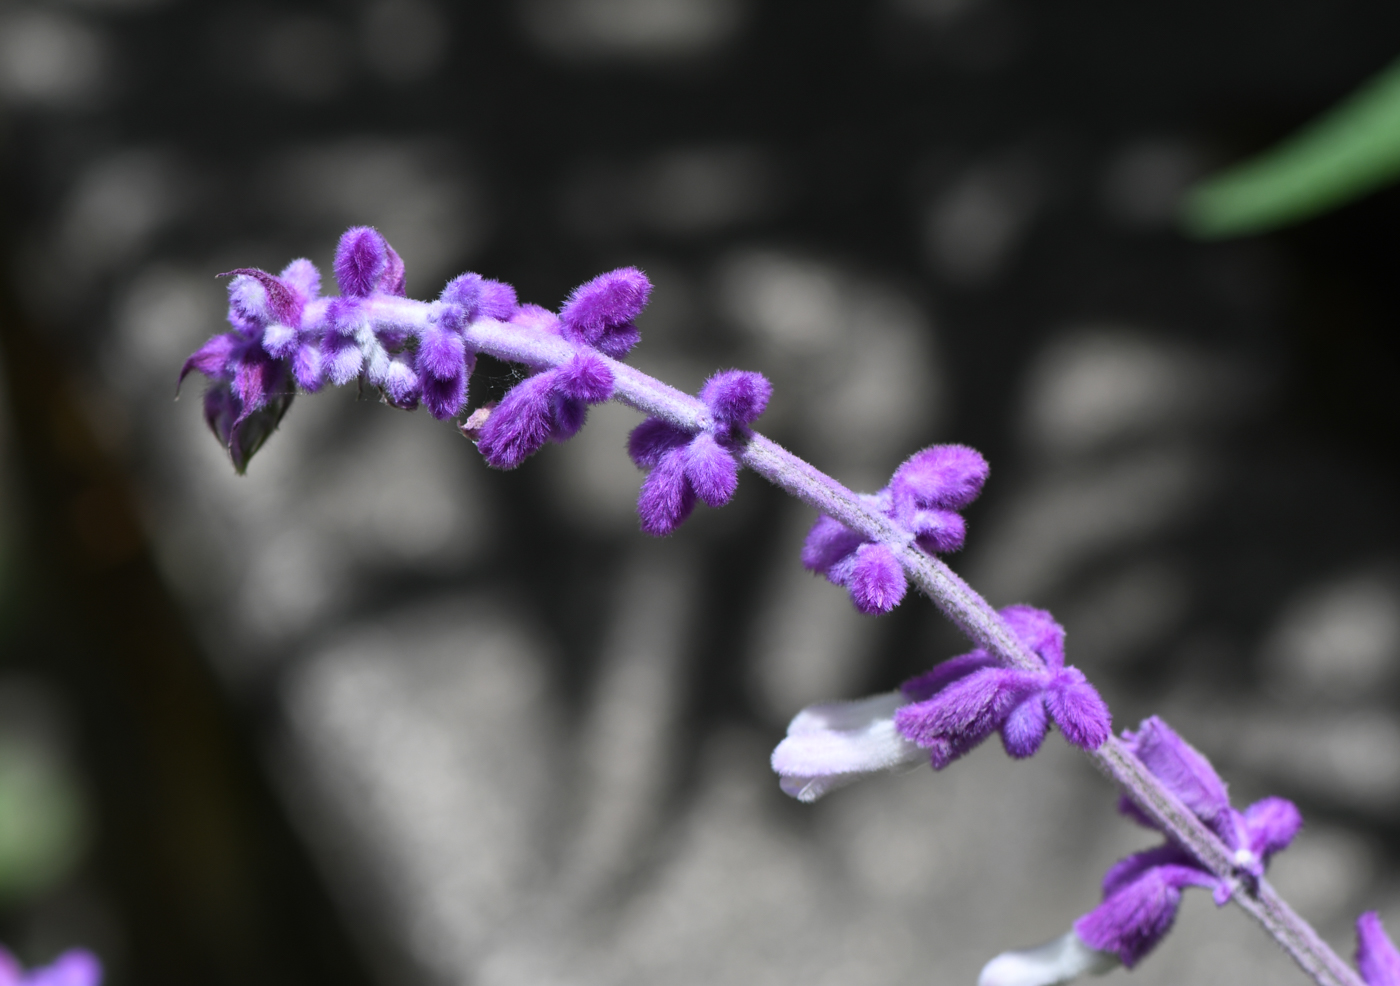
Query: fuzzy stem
x: 968, y: 610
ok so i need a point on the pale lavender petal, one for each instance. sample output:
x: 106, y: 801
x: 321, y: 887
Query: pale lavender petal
x: 302, y: 276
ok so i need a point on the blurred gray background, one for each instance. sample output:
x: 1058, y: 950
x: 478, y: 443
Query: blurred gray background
x: 376, y: 714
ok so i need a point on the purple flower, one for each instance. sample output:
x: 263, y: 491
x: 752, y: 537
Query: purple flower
x: 600, y: 313
x: 253, y: 370
x: 1376, y: 957
x: 830, y: 745
x: 1143, y: 891
x: 551, y: 404
x: 704, y: 466
x: 75, y: 967
x: 923, y: 497
x: 961, y: 702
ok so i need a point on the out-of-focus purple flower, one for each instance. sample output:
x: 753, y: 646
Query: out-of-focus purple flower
x: 923, y: 497
x: 600, y: 312
x: 75, y: 967
x: 704, y: 466
x: 1376, y: 957
x: 961, y: 702
x: 1143, y: 891
x: 830, y: 745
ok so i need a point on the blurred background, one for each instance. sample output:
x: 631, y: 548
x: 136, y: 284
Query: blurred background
x: 373, y: 714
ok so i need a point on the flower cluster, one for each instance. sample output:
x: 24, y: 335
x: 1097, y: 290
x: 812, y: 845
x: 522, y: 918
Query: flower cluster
x: 923, y: 498
x: 75, y: 967
x: 286, y: 337
x: 704, y: 465
x: 964, y: 700
x: 1141, y: 893
x: 944, y: 713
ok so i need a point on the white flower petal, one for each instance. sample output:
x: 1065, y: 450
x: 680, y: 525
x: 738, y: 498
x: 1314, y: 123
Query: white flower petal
x: 833, y: 744
x: 1060, y: 961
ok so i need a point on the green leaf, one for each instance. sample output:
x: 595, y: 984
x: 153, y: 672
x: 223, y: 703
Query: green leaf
x: 1350, y: 151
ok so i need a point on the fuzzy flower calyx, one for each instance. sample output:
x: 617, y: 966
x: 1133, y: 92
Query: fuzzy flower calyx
x: 964, y: 700
x: 684, y: 467
x: 1376, y: 957
x: 923, y: 498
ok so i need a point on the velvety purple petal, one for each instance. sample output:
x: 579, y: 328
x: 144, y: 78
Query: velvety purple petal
x: 75, y: 967
x: 587, y: 378
x: 497, y: 300
x: 1136, y: 916
x: 1037, y: 629
x: 1025, y: 727
x: 874, y: 578
x: 535, y: 317
x: 711, y: 470
x: 302, y: 276
x: 1376, y: 957
x: 342, y: 358
x: 211, y: 359
x: 617, y: 340
x: 1078, y: 710
x: 736, y: 396
x: 441, y: 353
x: 940, y: 676
x: 520, y: 424
x: 445, y: 399
x: 1271, y: 825
x: 609, y: 300
x: 1129, y: 868
x: 308, y: 367
x: 970, y: 708
x: 828, y: 542
x: 939, y: 531
x: 947, y: 476
x: 1183, y: 769
x: 569, y: 414
x: 666, y: 498
x: 361, y: 259
x: 652, y: 439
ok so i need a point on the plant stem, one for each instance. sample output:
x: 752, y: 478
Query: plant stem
x: 968, y: 610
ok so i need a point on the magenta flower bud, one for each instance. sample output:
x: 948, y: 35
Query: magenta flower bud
x: 736, y: 397
x: 600, y: 312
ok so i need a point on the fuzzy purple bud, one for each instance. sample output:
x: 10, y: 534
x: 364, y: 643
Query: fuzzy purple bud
x: 946, y: 476
x: 1376, y: 957
x: 874, y: 578
x: 520, y: 424
x: 652, y: 439
x: 736, y: 397
x: 587, y: 378
x: 667, y: 497
x: 711, y: 470
x: 481, y: 297
x: 600, y: 312
x: 365, y: 263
